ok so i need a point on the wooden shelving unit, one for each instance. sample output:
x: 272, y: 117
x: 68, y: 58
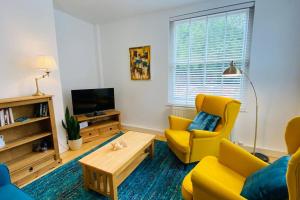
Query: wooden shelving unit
x: 31, y: 120
x: 100, y: 126
x: 24, y: 164
x: 28, y: 159
x: 25, y: 140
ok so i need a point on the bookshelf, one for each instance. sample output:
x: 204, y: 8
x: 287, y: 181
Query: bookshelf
x: 20, y: 137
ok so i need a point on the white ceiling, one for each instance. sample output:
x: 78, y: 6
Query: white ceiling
x: 101, y: 11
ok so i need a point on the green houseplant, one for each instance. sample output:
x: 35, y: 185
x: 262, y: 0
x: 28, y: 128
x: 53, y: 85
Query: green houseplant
x: 73, y: 131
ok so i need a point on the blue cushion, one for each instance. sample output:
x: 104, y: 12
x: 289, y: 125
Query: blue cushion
x: 268, y: 183
x: 11, y: 192
x: 204, y: 121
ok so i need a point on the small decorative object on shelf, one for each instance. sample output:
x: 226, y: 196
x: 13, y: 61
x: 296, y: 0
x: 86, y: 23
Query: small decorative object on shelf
x: 6, y: 116
x: 2, y: 142
x: 118, y: 145
x: 36, y: 147
x: 73, y: 130
x: 22, y: 119
x: 83, y: 124
x: 40, y: 146
x: 44, y: 146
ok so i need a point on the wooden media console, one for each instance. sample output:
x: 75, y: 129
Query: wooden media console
x: 100, y: 126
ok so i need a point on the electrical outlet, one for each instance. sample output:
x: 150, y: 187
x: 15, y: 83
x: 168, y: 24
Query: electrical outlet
x: 240, y: 143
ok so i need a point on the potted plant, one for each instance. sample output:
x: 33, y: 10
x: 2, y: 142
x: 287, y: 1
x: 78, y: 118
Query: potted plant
x: 73, y: 130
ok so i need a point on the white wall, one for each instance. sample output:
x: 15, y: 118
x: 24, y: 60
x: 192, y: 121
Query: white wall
x: 27, y: 30
x: 274, y: 68
x: 275, y: 71
x: 142, y: 103
x: 78, y: 55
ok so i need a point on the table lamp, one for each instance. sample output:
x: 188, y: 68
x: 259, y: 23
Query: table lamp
x: 46, y: 64
x: 232, y: 70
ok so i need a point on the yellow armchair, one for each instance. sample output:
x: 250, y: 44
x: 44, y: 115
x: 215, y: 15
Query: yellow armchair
x: 193, y: 146
x: 223, y: 178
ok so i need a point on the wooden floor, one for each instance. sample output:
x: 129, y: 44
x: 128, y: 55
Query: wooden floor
x: 70, y: 155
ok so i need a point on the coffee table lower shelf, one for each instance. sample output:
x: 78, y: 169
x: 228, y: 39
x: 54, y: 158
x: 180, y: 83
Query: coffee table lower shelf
x: 106, y: 183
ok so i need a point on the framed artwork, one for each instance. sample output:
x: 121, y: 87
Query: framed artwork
x: 140, y: 63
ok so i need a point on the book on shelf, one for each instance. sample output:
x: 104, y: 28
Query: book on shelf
x: 2, y: 122
x: 6, y: 116
x: 11, y: 116
x: 6, y: 119
x: 41, y: 110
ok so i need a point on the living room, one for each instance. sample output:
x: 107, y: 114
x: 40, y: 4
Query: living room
x: 157, y: 68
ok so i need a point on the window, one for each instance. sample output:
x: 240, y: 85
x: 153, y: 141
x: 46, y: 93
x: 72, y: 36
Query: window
x: 202, y: 49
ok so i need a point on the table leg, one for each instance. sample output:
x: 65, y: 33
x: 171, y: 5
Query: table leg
x: 113, y: 187
x: 151, y: 148
x: 85, y: 177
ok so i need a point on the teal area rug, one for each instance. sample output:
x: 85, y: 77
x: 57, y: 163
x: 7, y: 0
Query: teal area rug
x: 155, y: 179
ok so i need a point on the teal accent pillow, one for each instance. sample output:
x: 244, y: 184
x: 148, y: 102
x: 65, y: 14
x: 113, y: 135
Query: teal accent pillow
x: 204, y: 121
x: 268, y: 183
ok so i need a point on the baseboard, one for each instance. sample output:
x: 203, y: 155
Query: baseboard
x: 160, y: 134
x: 268, y: 152
x: 142, y: 129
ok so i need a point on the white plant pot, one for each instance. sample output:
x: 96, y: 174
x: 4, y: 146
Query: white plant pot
x: 75, y: 144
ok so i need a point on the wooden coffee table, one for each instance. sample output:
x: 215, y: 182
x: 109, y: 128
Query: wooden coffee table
x: 104, y: 169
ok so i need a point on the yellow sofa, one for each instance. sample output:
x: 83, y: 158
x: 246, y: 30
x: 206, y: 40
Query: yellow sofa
x: 193, y: 146
x: 223, y: 178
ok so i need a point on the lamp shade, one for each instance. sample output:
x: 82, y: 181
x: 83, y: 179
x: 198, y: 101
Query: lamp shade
x: 45, y: 62
x: 232, y: 70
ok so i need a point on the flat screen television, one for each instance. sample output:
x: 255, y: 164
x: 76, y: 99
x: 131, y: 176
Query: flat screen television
x: 89, y: 101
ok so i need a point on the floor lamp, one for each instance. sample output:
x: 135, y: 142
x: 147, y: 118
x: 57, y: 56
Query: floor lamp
x: 232, y: 70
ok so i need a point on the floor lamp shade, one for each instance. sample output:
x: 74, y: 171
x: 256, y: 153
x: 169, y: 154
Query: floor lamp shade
x: 232, y: 70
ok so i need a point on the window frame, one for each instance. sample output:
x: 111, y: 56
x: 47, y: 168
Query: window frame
x: 246, y: 58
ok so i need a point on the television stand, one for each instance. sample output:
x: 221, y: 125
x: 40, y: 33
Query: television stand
x: 100, y: 126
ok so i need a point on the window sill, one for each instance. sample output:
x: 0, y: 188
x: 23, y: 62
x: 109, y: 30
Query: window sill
x: 193, y: 107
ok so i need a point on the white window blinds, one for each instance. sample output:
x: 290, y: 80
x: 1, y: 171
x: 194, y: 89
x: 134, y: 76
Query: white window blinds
x: 202, y: 49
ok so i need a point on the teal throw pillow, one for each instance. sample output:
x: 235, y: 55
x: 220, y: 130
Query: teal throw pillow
x: 204, y: 121
x: 268, y: 183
